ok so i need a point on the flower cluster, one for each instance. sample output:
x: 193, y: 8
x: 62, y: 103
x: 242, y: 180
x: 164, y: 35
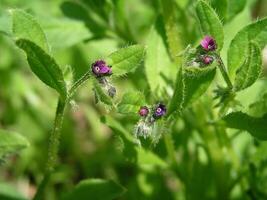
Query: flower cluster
x: 204, y: 54
x: 147, y: 126
x: 101, y: 70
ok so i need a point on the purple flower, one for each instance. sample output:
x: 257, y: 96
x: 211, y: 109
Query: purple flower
x: 208, y: 43
x: 160, y: 110
x: 100, y: 68
x: 207, y: 59
x: 143, y: 111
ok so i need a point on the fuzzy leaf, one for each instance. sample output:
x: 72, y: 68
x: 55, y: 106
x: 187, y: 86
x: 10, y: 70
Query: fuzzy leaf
x: 44, y: 66
x: 250, y: 71
x: 101, y: 95
x: 11, y: 142
x: 197, y: 81
x: 255, y: 126
x: 26, y: 27
x: 176, y: 102
x: 210, y: 23
x: 220, y: 7
x: 97, y: 189
x: 157, y: 60
x: 126, y: 59
x: 239, y: 47
x: 131, y: 102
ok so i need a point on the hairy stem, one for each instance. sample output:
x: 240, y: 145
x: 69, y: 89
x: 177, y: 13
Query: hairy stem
x: 224, y: 72
x: 52, y: 149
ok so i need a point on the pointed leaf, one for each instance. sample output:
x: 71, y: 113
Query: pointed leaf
x: 256, y: 126
x: 11, y: 142
x: 126, y: 60
x: 44, y: 66
x: 239, y: 47
x: 250, y: 71
x: 26, y: 27
x: 176, y: 102
x: 210, y: 23
x: 97, y: 189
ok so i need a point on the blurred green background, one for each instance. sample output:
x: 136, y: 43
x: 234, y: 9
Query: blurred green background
x: 89, y: 149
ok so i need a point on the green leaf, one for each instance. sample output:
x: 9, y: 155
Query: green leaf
x: 11, y: 142
x: 176, y: 102
x: 220, y: 7
x: 44, y: 66
x: 239, y: 47
x: 101, y: 95
x: 197, y: 81
x: 26, y: 27
x: 258, y: 108
x: 173, y: 29
x: 235, y: 7
x: 210, y: 23
x: 9, y: 192
x: 63, y: 33
x: 250, y: 71
x: 256, y: 126
x: 157, y: 61
x: 126, y: 59
x: 131, y: 102
x: 5, y: 22
x: 97, y: 189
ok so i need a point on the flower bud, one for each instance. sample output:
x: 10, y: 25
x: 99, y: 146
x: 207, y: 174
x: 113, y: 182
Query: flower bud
x: 143, y: 111
x: 100, y: 68
x: 208, y: 43
x: 207, y: 59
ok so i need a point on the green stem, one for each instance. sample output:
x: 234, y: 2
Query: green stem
x: 78, y: 83
x: 52, y: 149
x: 224, y: 72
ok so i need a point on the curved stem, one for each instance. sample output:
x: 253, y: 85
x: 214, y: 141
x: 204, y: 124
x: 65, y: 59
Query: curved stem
x: 224, y: 72
x: 53, y: 148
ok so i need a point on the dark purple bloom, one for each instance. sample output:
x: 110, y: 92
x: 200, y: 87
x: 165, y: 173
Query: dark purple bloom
x: 208, y: 43
x: 160, y: 110
x: 143, y: 111
x: 100, y: 68
x: 207, y: 59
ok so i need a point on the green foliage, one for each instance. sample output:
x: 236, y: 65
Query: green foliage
x: 26, y: 27
x: 250, y: 71
x: 239, y: 47
x: 209, y: 22
x: 44, y: 66
x: 254, y: 125
x: 235, y: 7
x: 11, y: 142
x: 126, y: 60
x: 157, y: 61
x: 197, y: 81
x: 97, y: 189
x: 100, y: 94
x: 131, y: 102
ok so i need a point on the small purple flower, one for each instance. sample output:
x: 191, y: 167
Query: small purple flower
x: 207, y: 59
x: 143, y: 111
x: 160, y: 110
x: 208, y: 43
x: 100, y: 68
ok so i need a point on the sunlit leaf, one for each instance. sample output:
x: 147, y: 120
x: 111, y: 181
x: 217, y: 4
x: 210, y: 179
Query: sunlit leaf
x: 250, y: 71
x: 25, y: 26
x: 126, y: 60
x: 44, y: 66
